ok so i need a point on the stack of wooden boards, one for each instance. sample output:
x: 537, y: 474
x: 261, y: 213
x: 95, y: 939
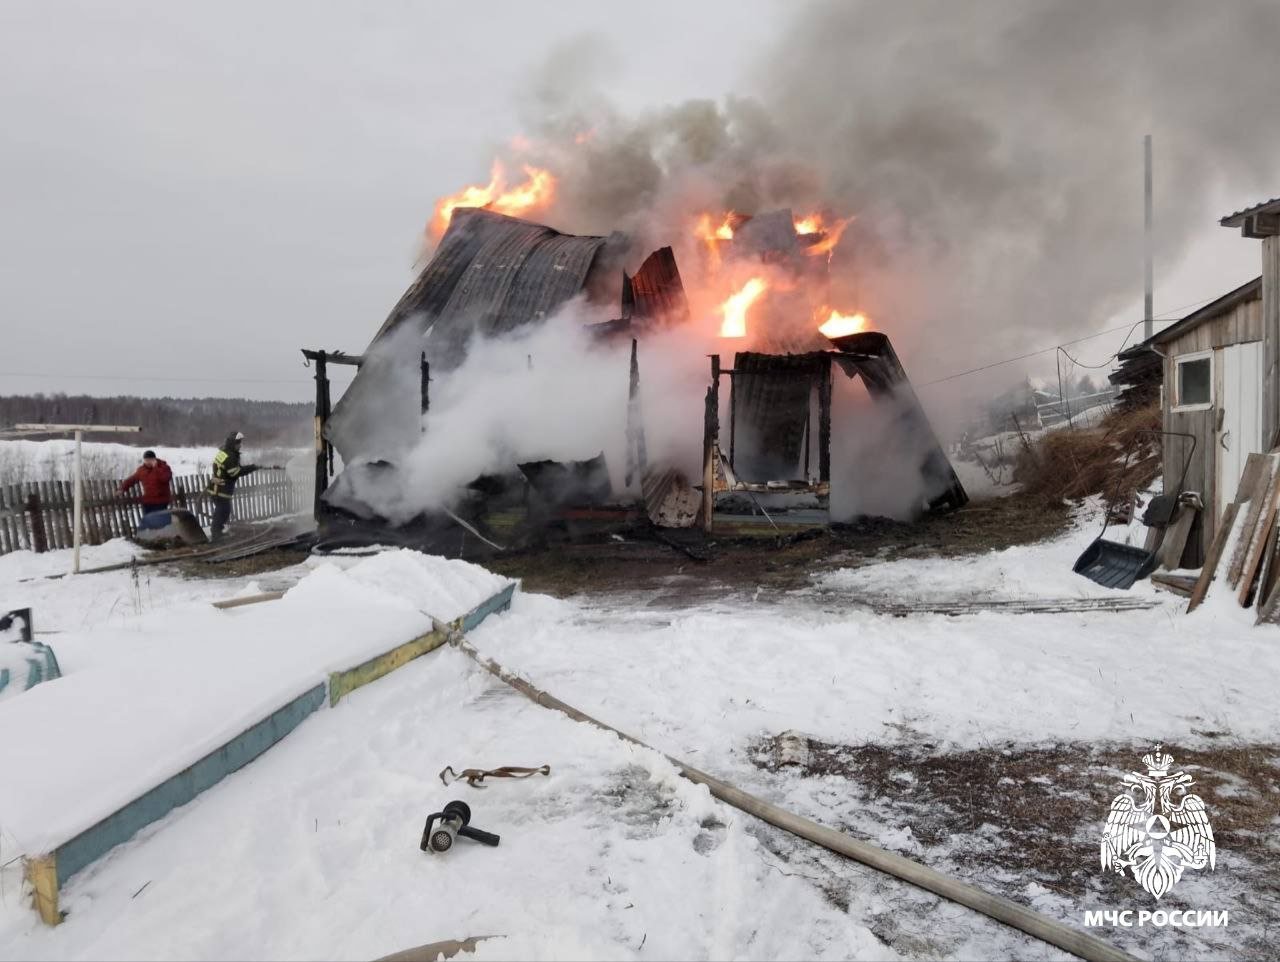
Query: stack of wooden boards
x: 1243, y: 551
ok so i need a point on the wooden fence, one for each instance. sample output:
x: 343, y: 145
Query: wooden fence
x: 39, y: 515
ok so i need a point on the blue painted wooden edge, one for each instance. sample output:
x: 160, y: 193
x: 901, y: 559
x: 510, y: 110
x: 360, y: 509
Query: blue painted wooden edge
x: 181, y: 788
x: 499, y: 602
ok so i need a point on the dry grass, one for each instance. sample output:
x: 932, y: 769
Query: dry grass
x: 1117, y: 459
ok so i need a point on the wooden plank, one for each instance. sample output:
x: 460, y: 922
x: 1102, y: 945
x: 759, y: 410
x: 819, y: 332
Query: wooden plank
x: 53, y: 525
x: 20, y: 518
x: 42, y: 874
x: 13, y: 511
x: 112, y: 513
x: 1175, y: 536
x: 1255, y: 482
x: 1267, y: 578
x: 342, y: 683
x: 93, y: 511
x: 1214, y: 556
x: 6, y: 533
x: 66, y: 492
x: 1178, y: 584
x: 1261, y: 535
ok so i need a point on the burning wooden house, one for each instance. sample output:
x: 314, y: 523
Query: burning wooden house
x: 494, y: 275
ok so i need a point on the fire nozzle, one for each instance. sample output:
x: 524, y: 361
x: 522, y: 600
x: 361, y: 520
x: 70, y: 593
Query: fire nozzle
x: 444, y: 827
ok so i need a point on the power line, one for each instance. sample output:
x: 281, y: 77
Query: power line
x: 1059, y: 347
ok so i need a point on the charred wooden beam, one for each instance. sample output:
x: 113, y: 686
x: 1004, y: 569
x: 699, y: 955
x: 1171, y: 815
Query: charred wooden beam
x: 637, y: 455
x: 710, y: 443
x: 824, y: 425
x: 424, y: 369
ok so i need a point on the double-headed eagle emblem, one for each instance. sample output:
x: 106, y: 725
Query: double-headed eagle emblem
x: 1155, y: 829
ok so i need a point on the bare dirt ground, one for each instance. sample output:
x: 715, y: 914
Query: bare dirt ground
x: 1036, y: 836
x: 638, y: 562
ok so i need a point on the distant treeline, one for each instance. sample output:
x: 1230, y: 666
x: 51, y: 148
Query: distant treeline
x: 168, y: 421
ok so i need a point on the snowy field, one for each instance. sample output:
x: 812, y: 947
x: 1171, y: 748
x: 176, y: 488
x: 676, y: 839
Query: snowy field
x: 54, y: 460
x: 312, y: 850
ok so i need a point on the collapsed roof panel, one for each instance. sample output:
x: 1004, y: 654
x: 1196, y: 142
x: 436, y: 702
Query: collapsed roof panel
x: 656, y: 290
x: 871, y: 355
x: 490, y: 274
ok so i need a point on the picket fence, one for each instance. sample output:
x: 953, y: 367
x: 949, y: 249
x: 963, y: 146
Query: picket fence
x: 39, y: 515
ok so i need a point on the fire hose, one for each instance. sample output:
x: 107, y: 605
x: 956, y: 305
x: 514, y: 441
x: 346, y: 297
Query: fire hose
x: 997, y: 907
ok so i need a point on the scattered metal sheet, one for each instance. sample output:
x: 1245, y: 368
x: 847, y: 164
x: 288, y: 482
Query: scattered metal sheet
x: 1016, y: 606
x: 669, y: 499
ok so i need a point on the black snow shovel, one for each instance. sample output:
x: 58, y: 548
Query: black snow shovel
x: 1114, y: 564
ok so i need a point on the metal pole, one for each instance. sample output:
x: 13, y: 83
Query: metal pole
x: 1148, y: 303
x: 79, y: 507
x: 321, y: 417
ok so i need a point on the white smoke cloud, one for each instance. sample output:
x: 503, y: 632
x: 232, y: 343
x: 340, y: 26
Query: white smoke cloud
x: 551, y: 391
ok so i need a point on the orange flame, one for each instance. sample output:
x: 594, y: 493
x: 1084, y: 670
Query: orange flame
x: 808, y: 225
x: 706, y: 232
x: 711, y: 236
x: 842, y: 325
x: 736, y: 306
x: 535, y: 193
x: 816, y: 224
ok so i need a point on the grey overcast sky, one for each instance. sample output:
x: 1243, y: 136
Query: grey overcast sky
x: 193, y: 192
x: 196, y: 191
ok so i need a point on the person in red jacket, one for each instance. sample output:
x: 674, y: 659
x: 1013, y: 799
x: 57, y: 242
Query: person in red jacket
x: 154, y: 475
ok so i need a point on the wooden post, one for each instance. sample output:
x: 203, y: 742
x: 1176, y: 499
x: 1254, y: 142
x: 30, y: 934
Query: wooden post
x: 824, y: 424
x: 710, y: 439
x: 424, y: 371
x: 79, y: 508
x: 637, y: 455
x: 1270, y: 339
x: 322, y: 414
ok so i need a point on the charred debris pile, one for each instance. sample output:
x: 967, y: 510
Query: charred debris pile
x: 769, y: 424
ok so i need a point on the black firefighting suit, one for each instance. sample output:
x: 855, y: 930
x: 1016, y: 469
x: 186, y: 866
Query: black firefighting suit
x: 227, y: 470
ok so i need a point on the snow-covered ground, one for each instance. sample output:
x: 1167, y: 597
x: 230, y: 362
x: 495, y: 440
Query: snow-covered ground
x: 312, y: 850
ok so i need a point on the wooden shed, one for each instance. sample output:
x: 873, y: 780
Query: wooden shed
x: 1212, y: 391
x: 1222, y: 381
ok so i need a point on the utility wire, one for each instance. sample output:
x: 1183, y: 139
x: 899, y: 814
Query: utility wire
x: 1059, y: 347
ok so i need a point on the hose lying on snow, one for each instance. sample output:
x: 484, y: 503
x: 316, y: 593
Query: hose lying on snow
x: 997, y: 907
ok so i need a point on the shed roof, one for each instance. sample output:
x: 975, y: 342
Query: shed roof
x: 1245, y: 292
x: 1238, y: 218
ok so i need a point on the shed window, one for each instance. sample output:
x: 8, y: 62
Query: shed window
x: 1195, y: 382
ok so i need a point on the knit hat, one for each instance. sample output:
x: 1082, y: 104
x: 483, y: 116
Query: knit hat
x: 148, y: 454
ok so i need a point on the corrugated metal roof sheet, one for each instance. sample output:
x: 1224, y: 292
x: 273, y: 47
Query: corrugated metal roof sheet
x: 771, y: 396
x: 657, y: 291
x: 490, y: 274
x: 1266, y: 207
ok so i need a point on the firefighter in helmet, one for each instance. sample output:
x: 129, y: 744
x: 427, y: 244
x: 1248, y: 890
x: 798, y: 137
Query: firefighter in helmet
x: 227, y: 470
